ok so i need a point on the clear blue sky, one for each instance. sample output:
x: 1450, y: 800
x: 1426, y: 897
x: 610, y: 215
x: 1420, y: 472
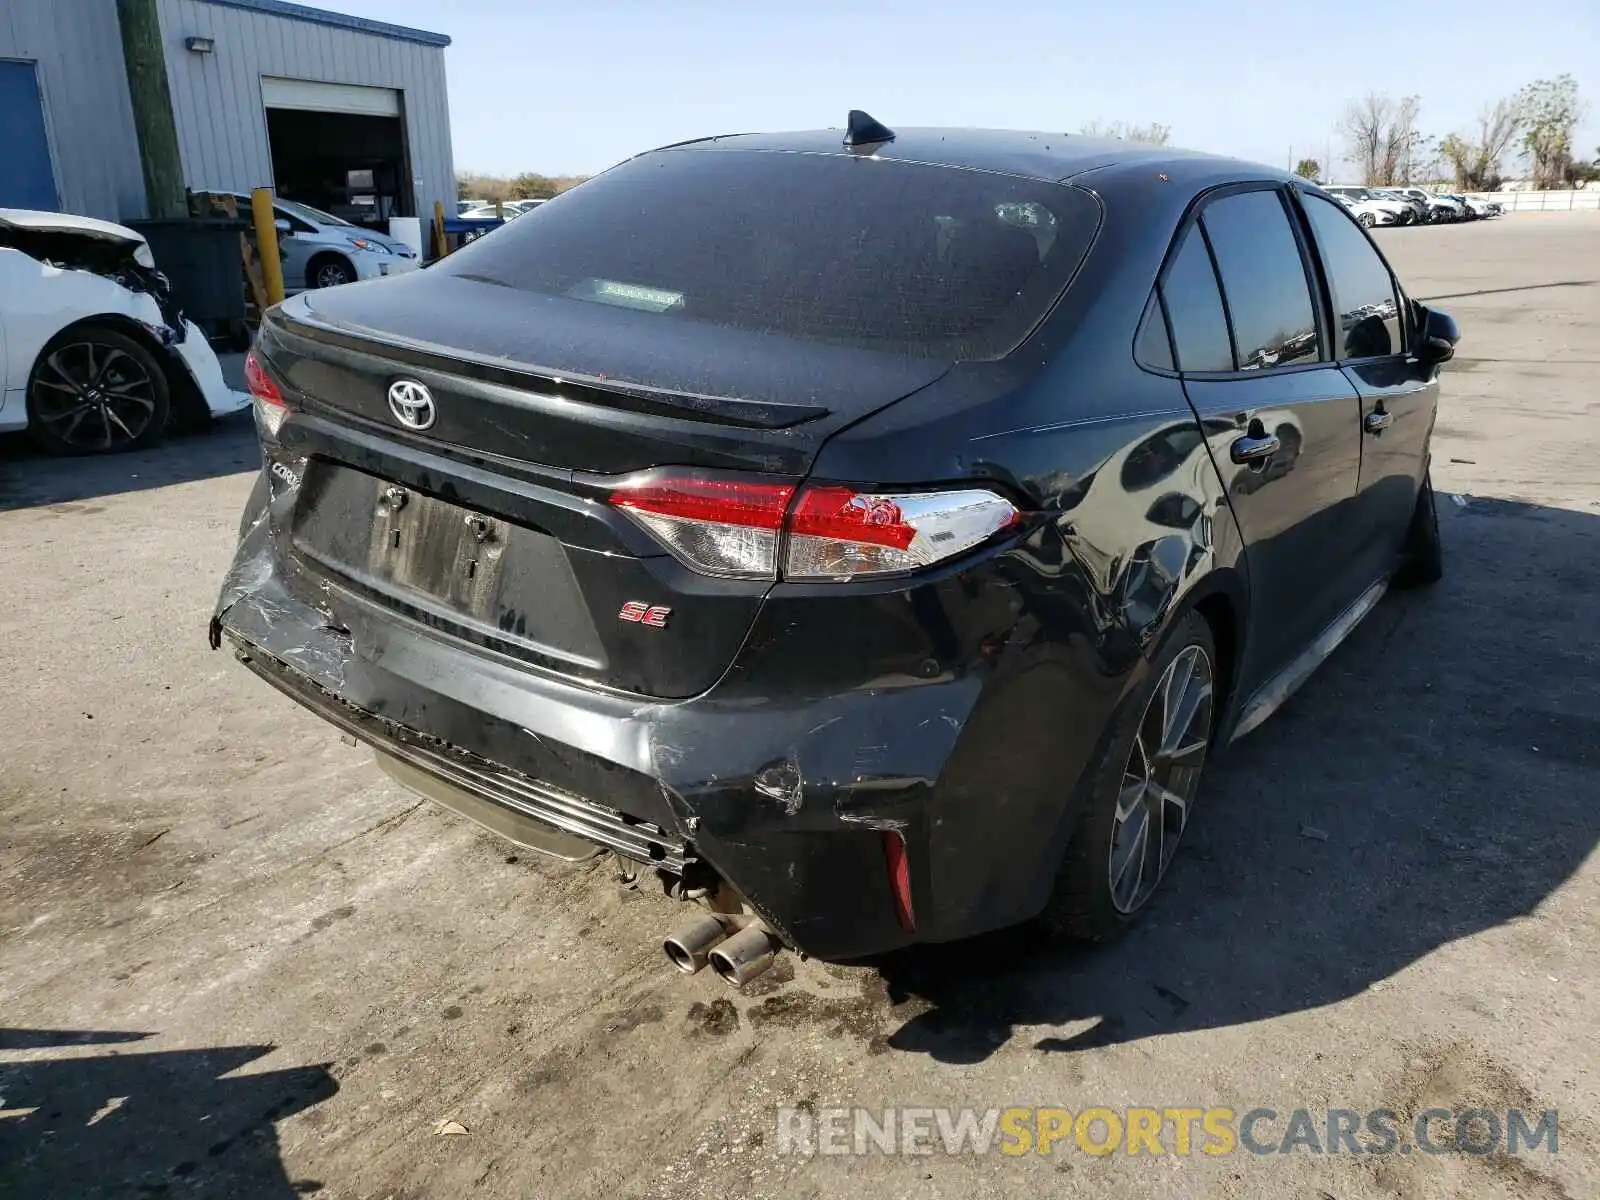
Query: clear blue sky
x: 576, y: 85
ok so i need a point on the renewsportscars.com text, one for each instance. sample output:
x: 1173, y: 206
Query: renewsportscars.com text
x: 1017, y: 1131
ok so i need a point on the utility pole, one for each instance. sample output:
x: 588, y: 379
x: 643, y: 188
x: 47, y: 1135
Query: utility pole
x: 152, y: 108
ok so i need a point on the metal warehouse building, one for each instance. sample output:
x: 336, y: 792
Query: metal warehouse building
x: 341, y: 113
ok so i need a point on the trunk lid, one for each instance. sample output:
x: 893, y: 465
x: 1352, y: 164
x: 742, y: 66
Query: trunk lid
x: 581, y: 386
x: 491, y: 526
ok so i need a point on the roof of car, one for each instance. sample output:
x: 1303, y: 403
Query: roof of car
x: 1040, y: 155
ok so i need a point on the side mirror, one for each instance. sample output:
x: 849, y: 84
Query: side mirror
x: 284, y: 228
x: 1437, y: 341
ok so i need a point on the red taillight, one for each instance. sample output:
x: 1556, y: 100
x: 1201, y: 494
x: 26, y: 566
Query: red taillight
x: 894, y: 859
x: 837, y: 533
x: 732, y: 527
x: 721, y: 527
x: 259, y: 383
x: 267, y: 398
x: 757, y: 504
x: 846, y: 515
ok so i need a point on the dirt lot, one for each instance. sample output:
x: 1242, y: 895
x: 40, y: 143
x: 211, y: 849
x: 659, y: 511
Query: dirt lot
x: 236, y: 961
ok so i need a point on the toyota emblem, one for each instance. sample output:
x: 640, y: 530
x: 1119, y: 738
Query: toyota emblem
x: 411, y: 403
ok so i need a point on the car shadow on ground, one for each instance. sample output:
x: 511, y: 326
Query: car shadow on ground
x: 1433, y: 780
x: 31, y: 479
x: 146, y: 1124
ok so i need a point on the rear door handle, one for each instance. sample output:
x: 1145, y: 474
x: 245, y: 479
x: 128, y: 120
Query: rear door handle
x: 1377, y: 421
x: 1249, y: 450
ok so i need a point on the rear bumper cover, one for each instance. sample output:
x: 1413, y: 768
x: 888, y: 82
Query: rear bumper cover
x: 787, y: 797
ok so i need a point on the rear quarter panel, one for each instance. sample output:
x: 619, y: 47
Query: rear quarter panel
x: 1127, y: 528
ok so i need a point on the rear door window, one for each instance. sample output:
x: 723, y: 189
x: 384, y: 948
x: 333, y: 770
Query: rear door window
x: 1153, y: 348
x: 1194, y: 305
x: 1365, y: 304
x: 1263, y: 280
x: 902, y: 257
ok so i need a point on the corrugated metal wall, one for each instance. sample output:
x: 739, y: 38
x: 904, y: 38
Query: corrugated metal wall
x: 78, y: 47
x: 222, y: 126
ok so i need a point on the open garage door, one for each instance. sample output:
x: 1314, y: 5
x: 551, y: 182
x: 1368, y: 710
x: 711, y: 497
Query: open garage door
x: 340, y: 148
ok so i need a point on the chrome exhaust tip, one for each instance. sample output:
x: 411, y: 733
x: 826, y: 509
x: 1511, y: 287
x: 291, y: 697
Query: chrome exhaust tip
x: 746, y: 955
x: 689, y: 946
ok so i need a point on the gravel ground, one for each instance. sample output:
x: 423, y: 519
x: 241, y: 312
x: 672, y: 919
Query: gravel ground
x: 236, y: 961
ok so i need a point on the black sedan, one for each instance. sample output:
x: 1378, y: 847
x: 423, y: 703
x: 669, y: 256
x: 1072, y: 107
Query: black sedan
x: 872, y: 534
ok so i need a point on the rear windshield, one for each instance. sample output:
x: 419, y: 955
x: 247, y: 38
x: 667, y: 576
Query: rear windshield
x: 906, y: 258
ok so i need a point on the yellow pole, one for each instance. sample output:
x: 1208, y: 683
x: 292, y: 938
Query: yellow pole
x: 267, y: 243
x: 440, y: 248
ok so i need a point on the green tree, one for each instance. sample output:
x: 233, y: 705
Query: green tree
x: 1308, y: 168
x: 530, y: 186
x: 1475, y: 157
x: 1551, y: 110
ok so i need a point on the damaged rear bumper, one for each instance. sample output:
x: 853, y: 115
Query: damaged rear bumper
x: 786, y: 796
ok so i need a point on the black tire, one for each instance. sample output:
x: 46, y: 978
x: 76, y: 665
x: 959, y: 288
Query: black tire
x: 329, y: 270
x: 1366, y: 220
x: 1424, y: 552
x: 1082, y: 906
x: 96, y: 390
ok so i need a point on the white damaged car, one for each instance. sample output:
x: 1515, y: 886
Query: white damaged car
x: 94, y: 357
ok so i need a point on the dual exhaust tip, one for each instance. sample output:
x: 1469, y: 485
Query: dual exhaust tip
x: 737, y: 955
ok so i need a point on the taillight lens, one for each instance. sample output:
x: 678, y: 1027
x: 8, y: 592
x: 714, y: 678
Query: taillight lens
x: 834, y: 533
x: 270, y: 406
x: 837, y: 533
x: 717, y: 526
x: 899, y: 868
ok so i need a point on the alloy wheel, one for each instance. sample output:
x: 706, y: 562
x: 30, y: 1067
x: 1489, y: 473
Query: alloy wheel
x: 332, y: 274
x: 1160, y: 779
x: 93, y: 396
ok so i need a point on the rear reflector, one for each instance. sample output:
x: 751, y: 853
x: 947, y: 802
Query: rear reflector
x: 894, y: 858
x: 834, y: 533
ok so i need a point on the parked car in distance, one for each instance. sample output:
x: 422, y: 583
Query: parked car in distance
x: 510, y: 209
x: 1400, y: 210
x: 465, y: 206
x: 94, y: 355
x: 1474, y: 209
x: 321, y: 250
x: 875, y: 535
x: 1421, y: 214
x: 1439, y: 211
x: 1451, y: 208
x: 1369, y: 213
x: 1400, y: 213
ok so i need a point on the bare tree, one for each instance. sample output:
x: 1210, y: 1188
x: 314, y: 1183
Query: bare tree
x: 1363, y: 125
x: 1152, y: 134
x: 1476, y: 157
x: 1401, y: 142
x: 1551, y: 110
x: 1381, y: 137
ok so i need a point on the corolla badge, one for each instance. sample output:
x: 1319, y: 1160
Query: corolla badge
x: 411, y: 403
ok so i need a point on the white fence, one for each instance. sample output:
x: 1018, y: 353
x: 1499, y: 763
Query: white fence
x: 1568, y: 201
